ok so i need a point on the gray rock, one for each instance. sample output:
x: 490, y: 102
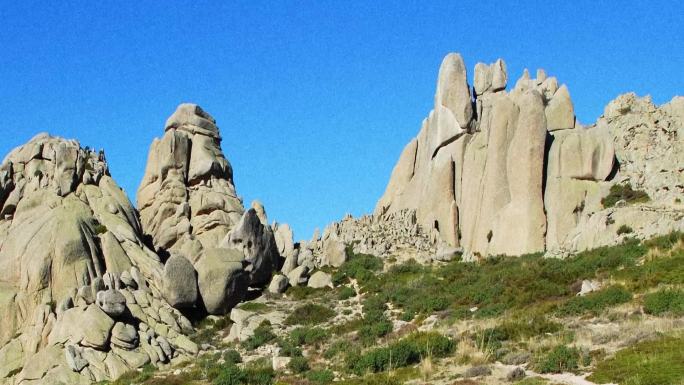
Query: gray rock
x: 278, y: 284
x: 124, y: 336
x: 74, y: 359
x: 320, y: 280
x: 516, y: 374
x: 111, y: 302
x: 335, y: 253
x: 477, y: 371
x: 257, y: 242
x: 222, y: 280
x: 179, y: 282
x: 298, y: 276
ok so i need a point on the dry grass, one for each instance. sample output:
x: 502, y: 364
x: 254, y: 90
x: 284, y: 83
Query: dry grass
x: 426, y: 368
x: 473, y: 352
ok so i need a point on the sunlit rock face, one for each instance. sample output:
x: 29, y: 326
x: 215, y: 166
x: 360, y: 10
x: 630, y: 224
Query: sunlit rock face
x: 513, y: 172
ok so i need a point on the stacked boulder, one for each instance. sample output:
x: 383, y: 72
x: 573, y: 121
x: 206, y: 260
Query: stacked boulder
x: 189, y: 208
x: 79, y: 288
x: 499, y: 172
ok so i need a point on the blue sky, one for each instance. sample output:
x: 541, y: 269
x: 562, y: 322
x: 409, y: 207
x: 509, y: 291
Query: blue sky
x: 315, y: 100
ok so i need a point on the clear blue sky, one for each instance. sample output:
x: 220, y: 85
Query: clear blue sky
x: 316, y: 99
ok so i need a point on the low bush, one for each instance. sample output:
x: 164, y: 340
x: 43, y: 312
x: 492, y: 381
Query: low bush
x: 516, y: 330
x: 596, y: 302
x: 404, y: 352
x: 298, y: 365
x: 361, y: 267
x: 657, y: 362
x: 375, y: 323
x: 301, y: 293
x: 288, y: 348
x: 232, y: 356
x: 262, y: 335
x: 337, y: 348
x: 560, y: 359
x: 320, y: 376
x: 624, y: 229
x: 624, y: 192
x: 309, y: 314
x: 665, y: 301
x: 346, y: 292
x: 308, y: 336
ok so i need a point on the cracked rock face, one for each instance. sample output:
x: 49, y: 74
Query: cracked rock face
x: 187, y: 199
x: 518, y: 174
x: 189, y: 208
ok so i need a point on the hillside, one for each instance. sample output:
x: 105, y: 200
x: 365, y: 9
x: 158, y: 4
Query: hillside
x: 512, y: 245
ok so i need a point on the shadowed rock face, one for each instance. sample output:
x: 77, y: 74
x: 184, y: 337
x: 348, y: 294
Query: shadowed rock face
x: 500, y: 172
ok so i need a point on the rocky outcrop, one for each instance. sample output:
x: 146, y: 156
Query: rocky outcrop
x: 77, y: 282
x: 187, y: 199
x: 517, y: 174
x: 189, y: 208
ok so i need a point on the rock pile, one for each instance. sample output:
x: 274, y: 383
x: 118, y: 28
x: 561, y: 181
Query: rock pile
x: 499, y: 172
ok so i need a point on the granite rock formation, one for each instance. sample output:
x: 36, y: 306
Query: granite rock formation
x: 79, y: 289
x: 520, y: 175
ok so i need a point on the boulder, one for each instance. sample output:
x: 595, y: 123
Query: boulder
x: 124, y: 336
x: 111, y: 302
x: 298, y: 276
x: 560, y: 113
x: 179, y: 282
x: 222, y: 280
x: 334, y: 253
x: 256, y: 241
x: 320, y: 280
x: 278, y: 284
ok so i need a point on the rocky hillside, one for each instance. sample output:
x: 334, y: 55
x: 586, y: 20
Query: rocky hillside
x: 449, y: 281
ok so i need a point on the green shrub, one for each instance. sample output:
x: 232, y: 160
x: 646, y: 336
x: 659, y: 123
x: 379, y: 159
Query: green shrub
x: 100, y: 229
x: 308, y: 336
x: 345, y: 293
x: 320, y: 376
x: 262, y: 335
x: 336, y: 348
x: 594, y: 303
x: 298, y: 365
x: 230, y: 375
x: 665, y: 301
x: 289, y: 349
x: 232, y: 356
x: 657, y: 362
x: 375, y: 324
x: 517, y: 330
x: 624, y: 192
x: 309, y: 314
x: 361, y: 267
x: 301, y: 293
x: 257, y: 307
x: 559, y: 359
x: 404, y: 352
x: 624, y: 229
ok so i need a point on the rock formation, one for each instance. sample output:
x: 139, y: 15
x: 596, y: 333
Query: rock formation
x: 187, y: 199
x: 498, y: 172
x: 189, y: 208
x: 79, y: 289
